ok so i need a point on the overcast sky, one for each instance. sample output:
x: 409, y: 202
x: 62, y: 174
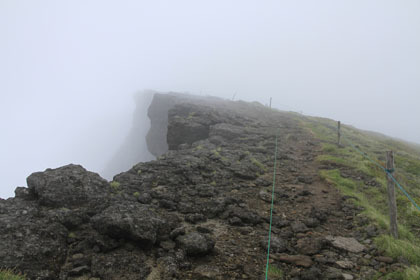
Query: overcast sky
x: 69, y: 69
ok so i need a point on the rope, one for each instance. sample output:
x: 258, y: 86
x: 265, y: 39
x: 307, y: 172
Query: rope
x: 403, y: 190
x: 387, y: 171
x: 271, y: 210
x: 364, y: 154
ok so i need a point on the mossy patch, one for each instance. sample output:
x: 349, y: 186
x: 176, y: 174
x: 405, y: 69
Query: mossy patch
x: 9, y: 274
x: 115, y: 185
x: 275, y: 273
x: 258, y: 164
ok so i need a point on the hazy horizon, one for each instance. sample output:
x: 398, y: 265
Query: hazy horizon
x: 69, y: 70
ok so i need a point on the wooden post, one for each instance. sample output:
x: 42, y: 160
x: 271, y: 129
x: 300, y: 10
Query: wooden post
x: 339, y: 134
x: 270, y: 102
x: 391, y: 196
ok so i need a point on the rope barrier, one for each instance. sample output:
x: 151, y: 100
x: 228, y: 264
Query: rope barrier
x: 271, y: 209
x: 364, y: 154
x: 403, y: 190
x: 387, y: 171
x: 374, y: 161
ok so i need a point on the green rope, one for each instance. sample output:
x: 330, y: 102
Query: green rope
x: 387, y: 171
x: 271, y: 210
x: 364, y: 154
x: 403, y: 190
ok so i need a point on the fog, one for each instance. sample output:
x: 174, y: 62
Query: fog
x: 69, y: 69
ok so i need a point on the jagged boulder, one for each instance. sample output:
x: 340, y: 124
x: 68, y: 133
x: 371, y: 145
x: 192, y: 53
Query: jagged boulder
x: 132, y: 221
x: 70, y: 186
x: 195, y: 243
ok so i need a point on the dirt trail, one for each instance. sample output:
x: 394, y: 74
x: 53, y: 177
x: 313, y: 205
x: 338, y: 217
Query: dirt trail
x: 306, y: 211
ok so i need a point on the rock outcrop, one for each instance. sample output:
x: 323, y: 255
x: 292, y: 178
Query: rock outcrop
x: 200, y: 211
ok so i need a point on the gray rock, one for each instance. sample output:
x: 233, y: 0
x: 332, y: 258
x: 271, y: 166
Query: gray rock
x: 77, y: 271
x: 167, y: 245
x: 145, y: 198
x: 69, y: 186
x: 345, y: 264
x: 195, y: 243
x: 177, y: 232
x: 299, y: 227
x: 311, y: 222
x: 384, y: 259
x: 265, y: 196
x: 206, y: 272
x: 130, y: 221
x: 235, y: 221
x: 298, y: 260
x: 24, y: 193
x: 309, y: 246
x: 333, y: 273
x: 347, y: 276
x: 247, y: 216
x: 195, y: 218
x: 347, y: 244
x: 277, y: 245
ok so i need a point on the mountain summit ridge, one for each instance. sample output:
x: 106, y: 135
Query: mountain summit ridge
x: 200, y: 210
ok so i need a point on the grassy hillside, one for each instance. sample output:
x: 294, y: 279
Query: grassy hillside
x: 354, y: 175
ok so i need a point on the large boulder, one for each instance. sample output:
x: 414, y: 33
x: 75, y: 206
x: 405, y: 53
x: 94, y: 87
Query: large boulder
x: 132, y: 221
x: 195, y: 243
x: 70, y: 186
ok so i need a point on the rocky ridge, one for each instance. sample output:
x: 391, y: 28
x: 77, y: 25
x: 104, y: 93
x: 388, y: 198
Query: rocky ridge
x: 200, y: 211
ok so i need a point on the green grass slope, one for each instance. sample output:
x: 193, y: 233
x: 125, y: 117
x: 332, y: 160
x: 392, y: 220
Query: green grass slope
x: 337, y: 162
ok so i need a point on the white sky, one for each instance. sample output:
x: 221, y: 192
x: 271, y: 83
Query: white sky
x: 68, y: 69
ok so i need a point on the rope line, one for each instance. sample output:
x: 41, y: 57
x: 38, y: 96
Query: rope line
x: 387, y: 171
x: 403, y: 190
x: 377, y: 163
x: 374, y: 161
x: 271, y: 210
x: 364, y: 154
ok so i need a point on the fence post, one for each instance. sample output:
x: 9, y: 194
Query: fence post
x: 391, y: 195
x: 339, y: 134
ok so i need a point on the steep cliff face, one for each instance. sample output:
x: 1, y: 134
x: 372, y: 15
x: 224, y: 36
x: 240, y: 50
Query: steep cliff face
x: 134, y: 149
x: 159, y: 114
x: 200, y: 211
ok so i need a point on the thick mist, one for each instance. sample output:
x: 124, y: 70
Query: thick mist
x: 69, y: 69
